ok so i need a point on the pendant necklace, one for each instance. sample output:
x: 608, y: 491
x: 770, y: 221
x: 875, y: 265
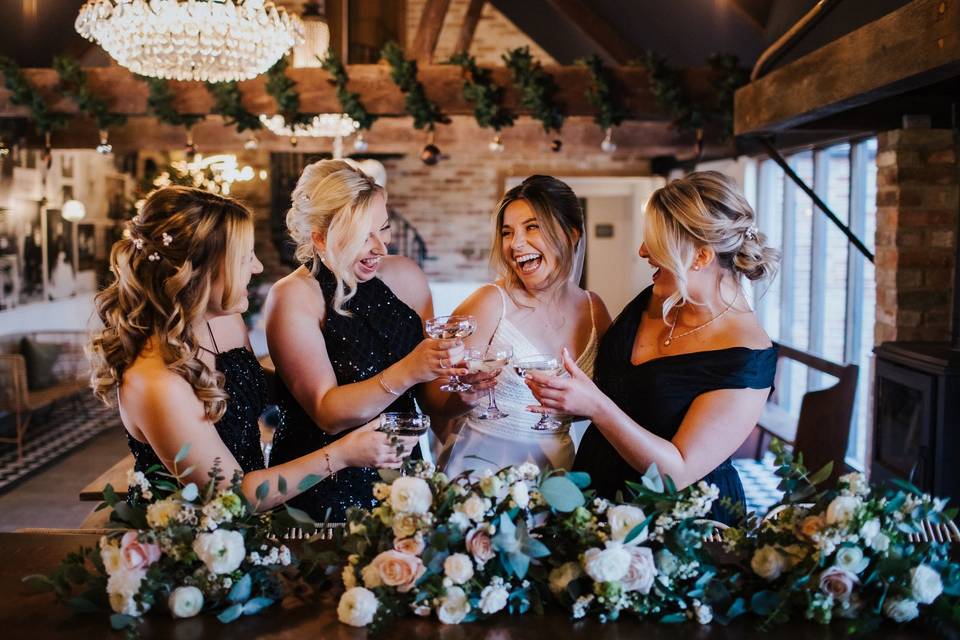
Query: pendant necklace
x: 671, y: 337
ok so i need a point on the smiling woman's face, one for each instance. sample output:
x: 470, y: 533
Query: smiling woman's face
x: 366, y: 265
x: 525, y: 247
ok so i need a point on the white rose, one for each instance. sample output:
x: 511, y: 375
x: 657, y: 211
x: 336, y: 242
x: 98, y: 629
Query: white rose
x: 493, y: 487
x: 880, y: 542
x: 475, y: 507
x: 458, y: 567
x: 623, y: 518
x: 493, y: 598
x: 851, y: 559
x: 520, y: 494
x: 925, y: 584
x: 357, y: 607
x: 459, y: 520
x: 122, y: 586
x: 606, y: 565
x: 454, y: 606
x: 410, y: 494
x: 841, y: 510
x: 704, y: 614
x: 856, y: 483
x: 528, y: 470
x: 869, y: 530
x: 641, y: 572
x: 185, y: 602
x: 221, y: 551
x: 564, y: 575
x: 370, y: 576
x: 111, y: 556
x: 160, y: 513
x: 349, y: 577
x: 768, y: 562
x: 900, y: 609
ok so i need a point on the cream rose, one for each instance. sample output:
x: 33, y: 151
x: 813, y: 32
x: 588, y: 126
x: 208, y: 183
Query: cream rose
x: 520, y: 494
x: 841, y: 510
x: 122, y: 587
x: 160, y: 513
x: 413, y: 545
x: 925, y: 584
x: 454, y: 606
x: 479, y: 545
x: 880, y: 542
x: 370, y: 575
x: 458, y: 567
x: 851, y: 559
x: 410, y: 494
x: 349, y: 577
x: 405, y: 525
x: 493, y: 598
x: 622, y: 519
x: 838, y: 583
x: 607, y: 565
x: 900, y: 609
x: 185, y: 602
x: 768, y: 562
x: 221, y: 551
x: 110, y: 555
x: 870, y: 529
x: 381, y: 491
x: 563, y: 575
x: 475, y: 507
x: 399, y: 570
x: 357, y: 607
x: 493, y: 487
x: 641, y: 572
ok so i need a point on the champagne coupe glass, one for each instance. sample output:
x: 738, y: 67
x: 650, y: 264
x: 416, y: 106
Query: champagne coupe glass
x: 400, y: 424
x: 548, y: 365
x: 448, y: 328
x: 489, y: 360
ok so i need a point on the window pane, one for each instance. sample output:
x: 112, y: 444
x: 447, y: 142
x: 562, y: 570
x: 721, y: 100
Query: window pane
x: 770, y: 221
x: 835, y: 281
x: 798, y: 245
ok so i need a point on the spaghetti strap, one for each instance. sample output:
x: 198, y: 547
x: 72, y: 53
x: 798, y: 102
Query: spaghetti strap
x: 210, y: 330
x: 503, y: 300
x: 593, y: 320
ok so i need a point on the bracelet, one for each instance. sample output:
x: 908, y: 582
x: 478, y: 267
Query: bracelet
x: 326, y: 458
x: 385, y: 387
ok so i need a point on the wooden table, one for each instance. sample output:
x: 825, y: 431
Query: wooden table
x: 25, y: 614
x: 115, y: 476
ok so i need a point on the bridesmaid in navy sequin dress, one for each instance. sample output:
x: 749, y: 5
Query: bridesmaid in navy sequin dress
x: 345, y: 330
x: 683, y: 373
x: 175, y: 351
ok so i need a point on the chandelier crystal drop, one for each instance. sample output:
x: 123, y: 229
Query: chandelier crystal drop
x: 207, y: 40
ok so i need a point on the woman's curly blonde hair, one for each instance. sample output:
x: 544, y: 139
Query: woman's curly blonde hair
x: 180, y: 242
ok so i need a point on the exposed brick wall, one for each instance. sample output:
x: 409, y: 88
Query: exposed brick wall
x: 917, y: 196
x: 495, y: 34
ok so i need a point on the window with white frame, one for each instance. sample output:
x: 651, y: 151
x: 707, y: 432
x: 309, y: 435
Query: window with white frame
x: 824, y: 298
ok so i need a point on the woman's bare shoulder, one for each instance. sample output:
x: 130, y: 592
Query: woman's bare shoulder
x: 299, y: 289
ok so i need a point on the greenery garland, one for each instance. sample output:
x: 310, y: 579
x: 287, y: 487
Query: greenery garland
x: 21, y: 93
x: 688, y: 116
x: 73, y: 82
x: 403, y: 72
x: 349, y: 100
x: 485, y: 96
x: 604, y: 93
x: 160, y: 104
x: 537, y: 88
x: 283, y: 89
x: 228, y: 102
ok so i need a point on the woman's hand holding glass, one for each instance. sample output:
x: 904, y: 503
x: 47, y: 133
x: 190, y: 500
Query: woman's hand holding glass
x: 574, y: 394
x: 435, y: 358
x: 452, y: 327
x: 370, y: 447
x: 485, y: 366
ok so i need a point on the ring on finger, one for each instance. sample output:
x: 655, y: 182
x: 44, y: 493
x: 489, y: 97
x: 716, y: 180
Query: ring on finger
x: 443, y: 364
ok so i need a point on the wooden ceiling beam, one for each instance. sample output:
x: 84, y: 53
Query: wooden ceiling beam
x: 914, y: 46
x: 443, y: 83
x: 469, y: 26
x: 609, y: 43
x: 428, y: 30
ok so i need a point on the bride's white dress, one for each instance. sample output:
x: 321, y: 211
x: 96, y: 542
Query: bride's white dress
x: 478, y: 445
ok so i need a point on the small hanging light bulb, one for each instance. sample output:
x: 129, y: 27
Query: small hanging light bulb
x: 360, y: 143
x: 190, y: 148
x: 104, y: 147
x: 496, y: 145
x: 430, y: 154
x: 293, y: 141
x: 251, y: 143
x: 556, y: 145
x: 608, y: 145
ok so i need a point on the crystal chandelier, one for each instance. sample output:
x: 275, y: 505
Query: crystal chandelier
x: 208, y: 40
x: 211, y: 173
x: 316, y: 37
x: 323, y: 125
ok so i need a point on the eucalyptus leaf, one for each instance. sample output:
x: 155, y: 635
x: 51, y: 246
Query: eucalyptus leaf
x: 309, y: 481
x: 282, y: 485
x: 38, y: 582
x: 256, y: 605
x: 738, y: 608
x: 388, y: 475
x: 652, y: 480
x: 263, y: 489
x: 763, y: 603
x: 520, y: 563
x: 120, y: 621
x: 561, y: 494
x: 230, y: 614
x: 535, y: 549
x: 579, y: 478
x: 300, y: 516
x: 638, y: 529
x: 673, y: 618
x: 906, y: 486
x: 241, y: 590
x: 82, y: 605
x: 822, y: 474
x: 182, y: 454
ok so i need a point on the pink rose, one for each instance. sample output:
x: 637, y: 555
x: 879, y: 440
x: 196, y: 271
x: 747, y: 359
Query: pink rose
x: 642, y: 570
x: 811, y: 525
x: 136, y: 554
x: 413, y: 545
x: 479, y: 546
x: 397, y: 569
x: 838, y: 583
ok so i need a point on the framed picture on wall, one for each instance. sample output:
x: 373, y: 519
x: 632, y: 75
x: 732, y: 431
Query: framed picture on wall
x: 61, y: 277
x: 86, y: 246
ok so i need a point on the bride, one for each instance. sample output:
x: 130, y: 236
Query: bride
x: 534, y: 307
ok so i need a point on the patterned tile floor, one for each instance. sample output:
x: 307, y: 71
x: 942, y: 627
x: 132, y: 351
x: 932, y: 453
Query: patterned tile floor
x: 53, y: 433
x: 759, y: 482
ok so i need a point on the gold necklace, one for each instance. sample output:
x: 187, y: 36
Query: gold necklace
x: 671, y: 338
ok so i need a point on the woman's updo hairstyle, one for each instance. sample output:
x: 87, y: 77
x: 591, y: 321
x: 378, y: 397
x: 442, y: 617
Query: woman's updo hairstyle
x: 333, y: 199
x: 705, y: 208
x: 173, y: 250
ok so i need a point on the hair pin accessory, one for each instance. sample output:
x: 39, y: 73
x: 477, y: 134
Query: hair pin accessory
x: 138, y: 243
x: 752, y: 232
x: 153, y: 257
x: 167, y: 239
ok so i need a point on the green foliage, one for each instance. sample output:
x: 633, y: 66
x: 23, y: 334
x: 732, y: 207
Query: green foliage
x: 604, y: 93
x: 160, y: 103
x: 228, y: 103
x: 537, y: 89
x: 73, y: 82
x: 426, y: 114
x: 486, y: 97
x: 349, y: 101
x: 283, y: 89
x: 22, y: 94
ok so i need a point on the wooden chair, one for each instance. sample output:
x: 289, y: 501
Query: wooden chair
x: 822, y: 428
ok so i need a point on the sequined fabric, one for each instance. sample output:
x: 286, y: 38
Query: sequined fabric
x: 380, y: 331
x: 246, y: 385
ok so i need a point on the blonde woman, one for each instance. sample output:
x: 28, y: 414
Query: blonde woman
x: 535, y: 306
x: 683, y: 374
x: 345, y: 330
x: 175, y: 353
